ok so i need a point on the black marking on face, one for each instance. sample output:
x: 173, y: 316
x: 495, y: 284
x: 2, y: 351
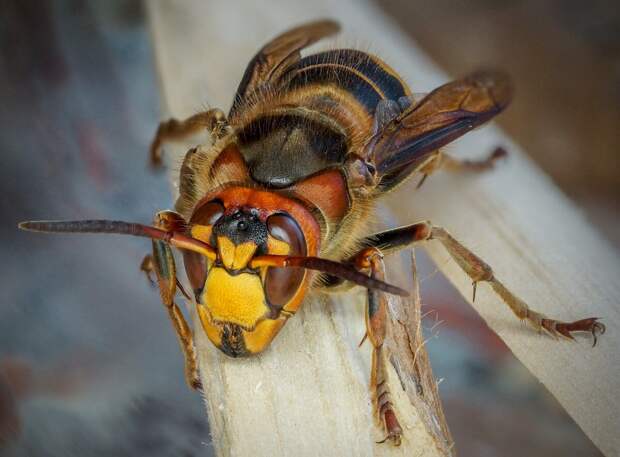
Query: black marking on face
x: 242, y: 226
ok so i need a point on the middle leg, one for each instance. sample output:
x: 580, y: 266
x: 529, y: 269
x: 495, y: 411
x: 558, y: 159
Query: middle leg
x: 212, y: 121
x: 162, y: 263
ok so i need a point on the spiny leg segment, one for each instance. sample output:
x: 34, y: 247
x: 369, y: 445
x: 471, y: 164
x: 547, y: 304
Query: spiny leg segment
x: 370, y: 260
x: 478, y: 271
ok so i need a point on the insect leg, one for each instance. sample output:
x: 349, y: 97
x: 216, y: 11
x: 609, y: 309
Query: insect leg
x: 371, y: 260
x: 213, y: 121
x: 440, y: 160
x: 396, y: 239
x: 162, y: 262
x: 147, y: 266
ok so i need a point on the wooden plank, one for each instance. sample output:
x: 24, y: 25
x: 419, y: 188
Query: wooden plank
x: 308, y: 394
x: 537, y: 241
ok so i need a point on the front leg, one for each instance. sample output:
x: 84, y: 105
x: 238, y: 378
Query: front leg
x: 162, y: 263
x: 479, y: 271
x: 371, y: 260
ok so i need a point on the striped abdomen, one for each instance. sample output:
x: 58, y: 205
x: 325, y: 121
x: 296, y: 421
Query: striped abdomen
x: 361, y: 75
x: 321, y: 109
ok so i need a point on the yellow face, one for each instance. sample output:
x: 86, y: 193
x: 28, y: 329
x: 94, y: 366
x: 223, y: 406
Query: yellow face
x: 233, y: 297
x: 242, y: 308
x: 236, y: 299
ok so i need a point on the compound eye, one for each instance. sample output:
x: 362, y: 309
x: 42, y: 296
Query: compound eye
x: 282, y: 283
x: 285, y: 228
x: 196, y: 270
x: 208, y: 213
x: 195, y: 264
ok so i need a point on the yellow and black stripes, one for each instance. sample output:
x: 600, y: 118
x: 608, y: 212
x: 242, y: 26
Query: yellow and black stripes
x: 316, y: 113
x: 364, y: 76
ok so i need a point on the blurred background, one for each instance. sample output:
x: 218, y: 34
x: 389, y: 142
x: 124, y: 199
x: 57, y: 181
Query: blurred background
x: 89, y: 365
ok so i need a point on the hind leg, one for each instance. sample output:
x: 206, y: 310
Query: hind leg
x: 442, y: 161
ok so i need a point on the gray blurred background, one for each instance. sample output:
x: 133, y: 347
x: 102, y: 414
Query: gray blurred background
x: 89, y: 365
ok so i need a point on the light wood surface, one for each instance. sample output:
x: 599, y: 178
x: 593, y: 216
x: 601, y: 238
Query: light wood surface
x: 308, y: 394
